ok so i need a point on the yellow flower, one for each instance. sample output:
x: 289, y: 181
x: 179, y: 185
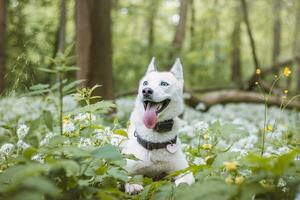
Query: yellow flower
x: 66, y: 119
x: 286, y: 91
x: 256, y: 82
x: 206, y: 136
x: 287, y: 72
x: 230, y: 166
x: 258, y: 71
x: 269, y: 127
x: 239, y: 180
x: 229, y: 180
x: 207, y: 146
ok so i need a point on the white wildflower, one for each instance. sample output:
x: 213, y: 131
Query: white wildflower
x: 281, y: 183
x: 85, y: 142
x: 85, y: 118
x: 69, y: 103
x: 201, y: 106
x: 47, y: 137
x: 187, y: 129
x: 22, y: 131
x: 201, y: 126
x: 38, y: 157
x: 6, y: 149
x: 283, y: 150
x: 116, y: 139
x: 68, y: 127
x: 23, y: 145
x: 124, y: 107
x: 199, y: 161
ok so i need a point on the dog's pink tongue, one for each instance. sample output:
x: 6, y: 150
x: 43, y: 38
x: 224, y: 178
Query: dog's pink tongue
x: 150, y: 116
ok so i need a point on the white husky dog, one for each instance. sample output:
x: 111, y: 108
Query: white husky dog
x: 153, y: 127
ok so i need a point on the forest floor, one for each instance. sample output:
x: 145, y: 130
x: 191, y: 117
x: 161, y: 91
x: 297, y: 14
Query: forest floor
x: 235, y: 148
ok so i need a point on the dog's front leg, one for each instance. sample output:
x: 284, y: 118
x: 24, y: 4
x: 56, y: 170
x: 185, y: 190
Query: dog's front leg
x: 185, y: 178
x: 133, y: 188
x: 181, y: 164
x: 132, y: 167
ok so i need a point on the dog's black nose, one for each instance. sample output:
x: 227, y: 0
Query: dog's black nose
x: 147, y: 92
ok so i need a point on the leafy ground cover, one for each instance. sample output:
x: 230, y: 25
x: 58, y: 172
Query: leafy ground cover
x: 232, y: 152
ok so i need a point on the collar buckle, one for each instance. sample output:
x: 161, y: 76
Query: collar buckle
x: 164, y: 126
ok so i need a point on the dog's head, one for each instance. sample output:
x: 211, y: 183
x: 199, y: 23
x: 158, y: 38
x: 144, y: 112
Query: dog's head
x: 160, y: 94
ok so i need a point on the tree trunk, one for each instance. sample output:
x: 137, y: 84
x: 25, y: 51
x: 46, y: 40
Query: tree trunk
x: 153, y: 6
x: 276, y: 31
x: 62, y: 27
x: 236, y: 72
x: 180, y: 30
x: 2, y: 43
x: 192, y: 25
x: 296, y: 43
x: 94, y: 45
x: 217, y: 49
x: 249, y: 31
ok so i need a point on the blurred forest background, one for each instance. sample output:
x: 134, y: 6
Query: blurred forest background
x: 222, y: 43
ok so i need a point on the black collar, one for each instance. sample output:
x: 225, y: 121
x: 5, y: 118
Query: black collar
x: 164, y: 126
x: 151, y: 145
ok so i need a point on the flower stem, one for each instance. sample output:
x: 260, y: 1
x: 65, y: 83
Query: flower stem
x: 60, y: 79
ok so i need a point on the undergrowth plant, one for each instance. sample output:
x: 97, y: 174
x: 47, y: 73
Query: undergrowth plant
x: 62, y: 146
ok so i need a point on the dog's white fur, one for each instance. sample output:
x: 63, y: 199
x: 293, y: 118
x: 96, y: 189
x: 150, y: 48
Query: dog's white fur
x: 157, y: 161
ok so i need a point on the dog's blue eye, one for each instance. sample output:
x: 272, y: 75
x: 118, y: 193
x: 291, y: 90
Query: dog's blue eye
x: 145, y: 83
x: 164, y: 83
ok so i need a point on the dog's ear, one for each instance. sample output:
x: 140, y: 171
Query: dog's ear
x: 177, y: 70
x: 151, y: 66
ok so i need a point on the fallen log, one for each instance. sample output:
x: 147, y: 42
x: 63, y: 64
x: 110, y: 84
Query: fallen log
x: 205, y: 101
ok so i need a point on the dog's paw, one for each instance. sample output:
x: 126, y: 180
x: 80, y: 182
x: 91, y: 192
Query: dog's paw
x: 133, y: 188
x: 187, y: 178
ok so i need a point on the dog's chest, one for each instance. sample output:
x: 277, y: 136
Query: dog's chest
x: 155, y: 162
x: 151, y: 162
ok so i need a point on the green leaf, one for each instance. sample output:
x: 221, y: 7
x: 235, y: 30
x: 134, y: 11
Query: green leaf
x: 71, y: 85
x: 18, y: 173
x: 39, y: 87
x: 41, y: 184
x: 121, y: 132
x: 67, y: 69
x: 164, y: 192
x: 56, y: 140
x: 74, y: 151
x: 37, y: 92
x: 118, y: 174
x: 56, y: 85
x: 101, y: 170
x: 284, y: 161
x: 46, y: 70
x: 29, y: 152
x: 47, y: 116
x: 70, y: 166
x: 35, y: 124
x: 107, y: 152
x: 211, y: 189
x: 102, y: 107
